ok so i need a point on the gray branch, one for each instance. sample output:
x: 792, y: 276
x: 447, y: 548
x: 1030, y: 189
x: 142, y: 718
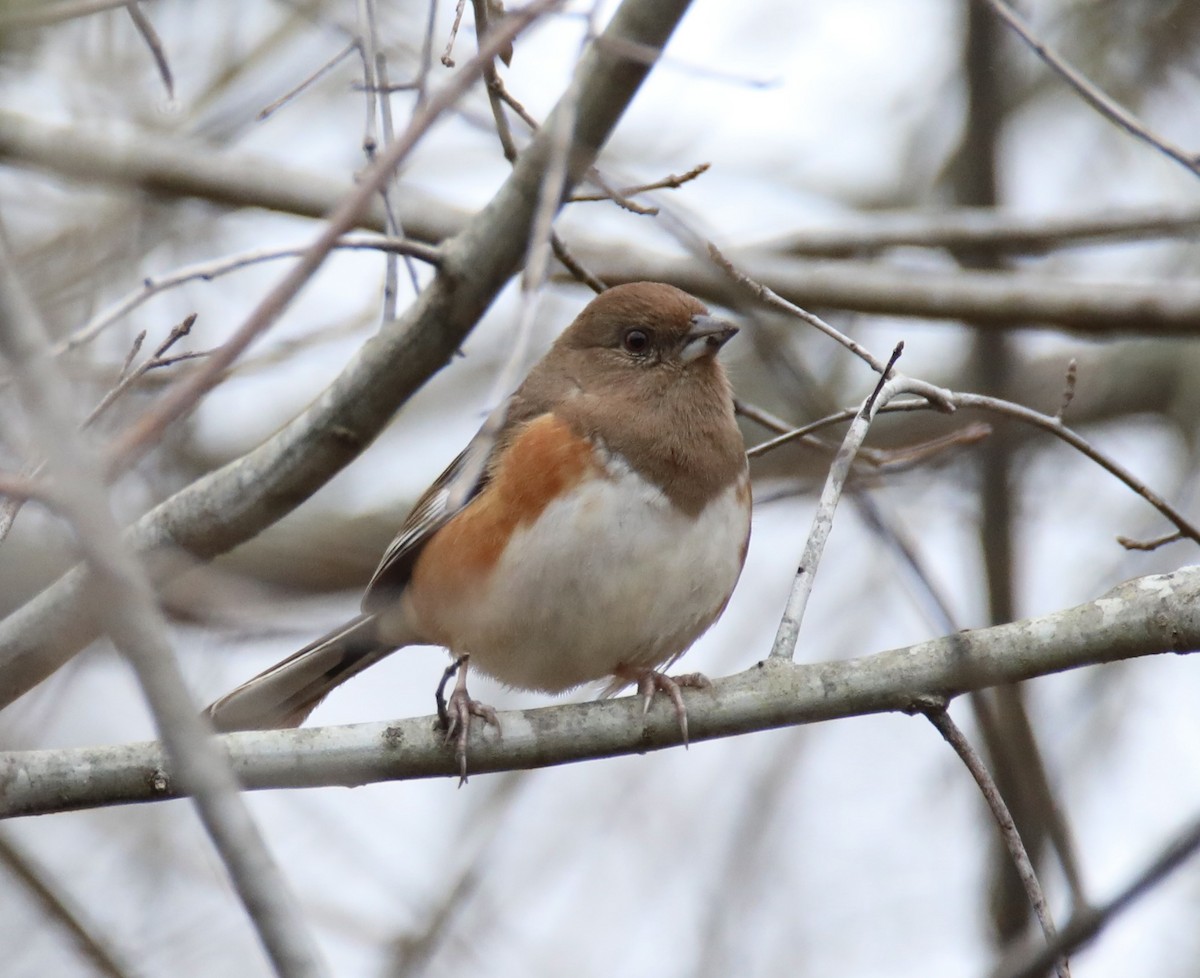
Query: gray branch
x: 173, y: 167
x: 987, y: 299
x: 1146, y: 616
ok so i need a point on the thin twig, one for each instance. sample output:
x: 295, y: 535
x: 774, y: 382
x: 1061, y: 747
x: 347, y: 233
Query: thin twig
x: 574, y: 266
x: 154, y: 43
x: 1089, y: 92
x: 366, y: 44
x: 1152, y: 544
x: 784, y: 646
x: 772, y: 299
x: 1088, y: 922
x: 380, y: 109
x: 21, y: 490
x: 805, y: 432
x: 458, y: 12
x: 422, y: 83
x: 206, y: 271
x: 498, y: 96
x: 272, y: 107
x: 666, y: 183
x: 157, y: 360
x: 1045, y: 422
x: 134, y: 349
x: 394, y: 227
x: 618, y: 198
x: 938, y: 716
x: 1068, y: 394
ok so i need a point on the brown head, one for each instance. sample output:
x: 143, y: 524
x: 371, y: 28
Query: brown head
x: 637, y: 369
x: 645, y: 328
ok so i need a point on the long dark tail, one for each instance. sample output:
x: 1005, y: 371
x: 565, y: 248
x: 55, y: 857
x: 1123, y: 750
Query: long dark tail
x: 285, y: 694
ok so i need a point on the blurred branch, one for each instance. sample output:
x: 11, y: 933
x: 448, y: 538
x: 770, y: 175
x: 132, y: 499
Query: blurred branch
x: 1087, y: 923
x: 228, y: 506
x: 173, y: 167
x: 206, y: 271
x: 999, y: 231
x: 59, y: 906
x: 20, y: 16
x: 1145, y: 616
x: 125, y: 607
x: 1089, y: 92
x: 987, y: 299
x: 154, y: 43
x: 940, y: 718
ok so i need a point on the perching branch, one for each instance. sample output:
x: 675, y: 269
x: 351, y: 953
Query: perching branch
x: 1145, y: 616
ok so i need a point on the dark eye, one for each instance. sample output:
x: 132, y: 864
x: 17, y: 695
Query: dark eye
x: 635, y: 341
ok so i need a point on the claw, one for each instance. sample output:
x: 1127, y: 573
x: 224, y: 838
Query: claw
x: 651, y: 682
x: 455, y: 713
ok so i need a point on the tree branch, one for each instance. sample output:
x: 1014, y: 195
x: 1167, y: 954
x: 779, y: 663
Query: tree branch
x: 173, y: 167
x: 1145, y: 616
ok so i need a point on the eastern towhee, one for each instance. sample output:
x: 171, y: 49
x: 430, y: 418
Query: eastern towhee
x: 603, y: 535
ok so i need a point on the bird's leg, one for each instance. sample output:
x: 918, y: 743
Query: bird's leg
x: 455, y: 713
x: 650, y: 681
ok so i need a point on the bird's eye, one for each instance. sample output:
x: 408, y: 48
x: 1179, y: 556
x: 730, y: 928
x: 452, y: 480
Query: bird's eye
x: 636, y: 341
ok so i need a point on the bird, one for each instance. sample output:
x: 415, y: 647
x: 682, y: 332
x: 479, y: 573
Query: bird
x: 593, y: 534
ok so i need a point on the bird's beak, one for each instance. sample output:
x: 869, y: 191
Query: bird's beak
x: 707, y: 335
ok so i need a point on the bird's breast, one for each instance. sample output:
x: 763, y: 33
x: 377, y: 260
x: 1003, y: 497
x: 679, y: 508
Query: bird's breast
x: 609, y: 573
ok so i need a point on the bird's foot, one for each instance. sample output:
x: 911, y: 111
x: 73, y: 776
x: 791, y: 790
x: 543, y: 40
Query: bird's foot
x: 455, y: 713
x: 650, y: 682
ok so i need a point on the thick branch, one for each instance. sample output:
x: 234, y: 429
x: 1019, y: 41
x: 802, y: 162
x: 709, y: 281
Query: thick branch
x: 1146, y: 616
x: 175, y: 168
x: 987, y: 299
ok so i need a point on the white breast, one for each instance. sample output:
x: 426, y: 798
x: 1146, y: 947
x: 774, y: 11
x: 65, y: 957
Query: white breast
x: 610, y: 575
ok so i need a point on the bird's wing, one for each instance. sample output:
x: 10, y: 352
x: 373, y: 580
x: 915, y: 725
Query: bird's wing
x: 432, y: 511
x: 437, y: 507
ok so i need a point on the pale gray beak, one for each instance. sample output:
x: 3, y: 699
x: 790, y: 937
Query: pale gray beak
x: 707, y: 335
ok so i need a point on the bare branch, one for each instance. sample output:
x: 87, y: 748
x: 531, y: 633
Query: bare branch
x: 55, y: 13
x: 1088, y: 922
x: 1094, y: 97
x: 206, y: 271
x: 272, y: 107
x: 154, y: 43
x: 784, y: 646
x: 1145, y: 616
x: 1008, y: 829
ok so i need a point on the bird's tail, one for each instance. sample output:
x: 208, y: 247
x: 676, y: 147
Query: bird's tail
x: 285, y: 694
